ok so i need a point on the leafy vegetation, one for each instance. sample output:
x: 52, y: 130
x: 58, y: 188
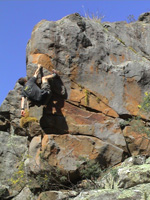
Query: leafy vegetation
x: 145, y: 104
x: 139, y: 124
x: 90, y: 169
x: 19, y: 178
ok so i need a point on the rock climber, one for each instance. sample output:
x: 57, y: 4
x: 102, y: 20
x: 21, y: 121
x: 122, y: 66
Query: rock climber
x: 34, y: 93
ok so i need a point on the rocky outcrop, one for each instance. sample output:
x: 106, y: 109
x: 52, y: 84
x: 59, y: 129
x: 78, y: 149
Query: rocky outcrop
x: 130, y: 180
x: 103, y: 75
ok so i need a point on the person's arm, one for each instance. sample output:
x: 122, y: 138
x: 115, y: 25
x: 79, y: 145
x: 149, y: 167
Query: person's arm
x: 22, y: 106
x: 37, y: 71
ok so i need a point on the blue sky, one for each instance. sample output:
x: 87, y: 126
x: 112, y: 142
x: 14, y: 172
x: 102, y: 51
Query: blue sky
x: 18, y: 17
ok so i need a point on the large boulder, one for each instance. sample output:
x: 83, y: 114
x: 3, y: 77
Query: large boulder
x: 133, y: 172
x: 90, y: 51
x: 130, y: 180
x: 68, y: 153
x: 103, y: 75
x: 104, y: 69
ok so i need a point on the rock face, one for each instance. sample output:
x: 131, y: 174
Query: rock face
x: 103, y: 75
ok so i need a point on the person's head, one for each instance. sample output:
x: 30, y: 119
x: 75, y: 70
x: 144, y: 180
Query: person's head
x: 22, y: 81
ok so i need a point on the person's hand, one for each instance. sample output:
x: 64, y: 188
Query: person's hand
x: 22, y: 113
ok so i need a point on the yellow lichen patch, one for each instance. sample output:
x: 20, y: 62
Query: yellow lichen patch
x: 26, y: 119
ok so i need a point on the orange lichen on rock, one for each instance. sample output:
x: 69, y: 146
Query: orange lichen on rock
x: 42, y: 59
x: 71, y: 147
x: 137, y: 142
x: 94, y: 101
x: 132, y: 96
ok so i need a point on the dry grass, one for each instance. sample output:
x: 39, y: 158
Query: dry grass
x: 26, y: 119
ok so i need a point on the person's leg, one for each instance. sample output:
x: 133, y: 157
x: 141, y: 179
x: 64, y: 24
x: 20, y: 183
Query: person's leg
x: 46, y: 86
x: 45, y: 78
x: 46, y: 91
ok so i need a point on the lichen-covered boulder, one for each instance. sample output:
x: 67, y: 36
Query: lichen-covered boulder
x: 111, y: 194
x: 66, y: 152
x: 103, y: 73
x: 133, y: 172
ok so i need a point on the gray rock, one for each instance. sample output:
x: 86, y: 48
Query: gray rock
x: 103, y: 75
x: 111, y: 194
x: 4, y: 192
x: 145, y: 17
x: 25, y: 194
x: 57, y: 195
x: 128, y: 175
x: 12, y: 149
x: 11, y: 107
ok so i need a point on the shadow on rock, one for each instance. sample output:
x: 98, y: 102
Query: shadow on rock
x: 58, y: 87
x: 53, y: 120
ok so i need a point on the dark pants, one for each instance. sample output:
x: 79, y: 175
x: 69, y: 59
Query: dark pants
x: 46, y: 93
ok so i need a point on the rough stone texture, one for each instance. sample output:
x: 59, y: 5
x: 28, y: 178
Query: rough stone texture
x: 128, y: 181
x: 115, y: 54
x: 111, y: 194
x: 25, y: 194
x: 64, y: 152
x: 56, y: 195
x: 4, y: 122
x: 132, y: 172
x: 10, y: 110
x: 4, y: 192
x: 103, y: 75
x: 145, y: 17
x: 12, y: 150
x: 138, y: 144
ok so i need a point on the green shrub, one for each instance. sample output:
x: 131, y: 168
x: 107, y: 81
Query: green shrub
x: 145, y: 104
x: 19, y: 178
x: 90, y: 169
x: 139, y: 126
x: 114, y: 173
x: 51, y: 177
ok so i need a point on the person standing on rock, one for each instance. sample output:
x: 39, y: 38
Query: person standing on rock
x: 31, y: 90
